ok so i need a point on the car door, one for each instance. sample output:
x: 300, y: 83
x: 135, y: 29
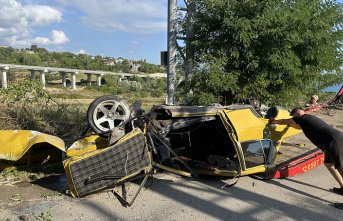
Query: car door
x: 257, y: 141
x: 247, y: 133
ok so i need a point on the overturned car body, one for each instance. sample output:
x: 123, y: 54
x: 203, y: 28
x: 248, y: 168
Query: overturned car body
x: 124, y: 144
x: 225, y: 141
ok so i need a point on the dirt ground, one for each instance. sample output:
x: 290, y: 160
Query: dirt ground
x: 171, y: 197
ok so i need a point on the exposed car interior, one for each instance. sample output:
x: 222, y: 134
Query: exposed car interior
x: 202, y: 142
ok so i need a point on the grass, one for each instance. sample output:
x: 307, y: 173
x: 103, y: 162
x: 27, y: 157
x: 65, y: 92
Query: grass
x: 86, y: 96
x: 43, y: 216
x: 69, y: 96
x: 17, y: 174
x: 14, y: 175
x: 50, y: 194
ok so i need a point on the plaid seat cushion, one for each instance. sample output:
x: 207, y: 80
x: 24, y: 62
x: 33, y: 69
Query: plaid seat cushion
x: 121, y: 160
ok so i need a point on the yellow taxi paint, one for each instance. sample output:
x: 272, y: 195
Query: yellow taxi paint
x: 15, y: 143
x: 247, y: 126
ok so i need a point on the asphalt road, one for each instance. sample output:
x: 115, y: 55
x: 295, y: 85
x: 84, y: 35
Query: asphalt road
x: 171, y: 197
x: 304, y: 197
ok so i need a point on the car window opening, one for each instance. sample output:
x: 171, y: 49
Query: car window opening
x: 257, y: 152
x: 203, y: 145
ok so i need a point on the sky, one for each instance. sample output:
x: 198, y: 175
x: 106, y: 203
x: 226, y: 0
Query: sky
x: 132, y: 29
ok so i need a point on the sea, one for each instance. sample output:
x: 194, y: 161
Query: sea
x: 334, y: 88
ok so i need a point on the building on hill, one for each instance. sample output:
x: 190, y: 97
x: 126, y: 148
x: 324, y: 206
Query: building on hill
x: 108, y: 61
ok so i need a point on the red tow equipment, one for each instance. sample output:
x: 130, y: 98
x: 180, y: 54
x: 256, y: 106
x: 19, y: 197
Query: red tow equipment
x: 297, y: 166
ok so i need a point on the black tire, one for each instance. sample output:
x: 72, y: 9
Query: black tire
x: 272, y: 112
x: 102, y: 116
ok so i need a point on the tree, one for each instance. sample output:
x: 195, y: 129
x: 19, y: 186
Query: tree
x: 7, y: 55
x: 276, y: 50
x: 34, y: 48
x: 148, y: 68
x: 29, y: 59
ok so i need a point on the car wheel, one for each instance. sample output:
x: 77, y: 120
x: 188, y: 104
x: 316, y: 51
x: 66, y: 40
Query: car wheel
x: 107, y: 112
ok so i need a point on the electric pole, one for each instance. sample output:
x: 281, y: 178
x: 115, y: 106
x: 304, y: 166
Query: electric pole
x: 187, y: 55
x: 171, y: 66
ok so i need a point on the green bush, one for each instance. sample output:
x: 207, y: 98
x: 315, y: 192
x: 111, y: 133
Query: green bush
x: 139, y: 86
x: 24, y: 91
x: 26, y: 105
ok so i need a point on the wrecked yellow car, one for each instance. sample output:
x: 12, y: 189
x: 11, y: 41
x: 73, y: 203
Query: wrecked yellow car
x: 126, y: 144
x: 225, y: 141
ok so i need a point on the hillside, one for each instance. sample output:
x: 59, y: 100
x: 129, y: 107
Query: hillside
x: 41, y: 57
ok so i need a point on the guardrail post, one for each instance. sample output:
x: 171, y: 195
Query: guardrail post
x: 4, y: 77
x: 73, y: 80
x: 64, y: 79
x: 33, y: 75
x: 98, y: 79
x: 89, y: 79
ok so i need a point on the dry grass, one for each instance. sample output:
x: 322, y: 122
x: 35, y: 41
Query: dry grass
x: 57, y: 111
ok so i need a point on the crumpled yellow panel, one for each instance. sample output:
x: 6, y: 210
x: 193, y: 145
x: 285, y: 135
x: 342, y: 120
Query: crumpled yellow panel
x: 89, y: 143
x: 15, y: 143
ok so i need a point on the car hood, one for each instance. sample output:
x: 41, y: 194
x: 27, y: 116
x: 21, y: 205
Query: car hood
x: 15, y: 143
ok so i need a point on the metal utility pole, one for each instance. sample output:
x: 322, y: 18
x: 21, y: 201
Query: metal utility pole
x: 187, y: 55
x: 189, y: 62
x: 171, y: 66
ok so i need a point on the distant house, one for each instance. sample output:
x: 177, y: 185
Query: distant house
x: 108, y: 61
x: 29, y: 51
x: 119, y: 60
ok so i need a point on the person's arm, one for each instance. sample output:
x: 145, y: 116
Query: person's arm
x: 289, y: 122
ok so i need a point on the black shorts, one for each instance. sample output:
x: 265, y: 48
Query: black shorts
x: 327, y: 158
x: 334, y: 154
